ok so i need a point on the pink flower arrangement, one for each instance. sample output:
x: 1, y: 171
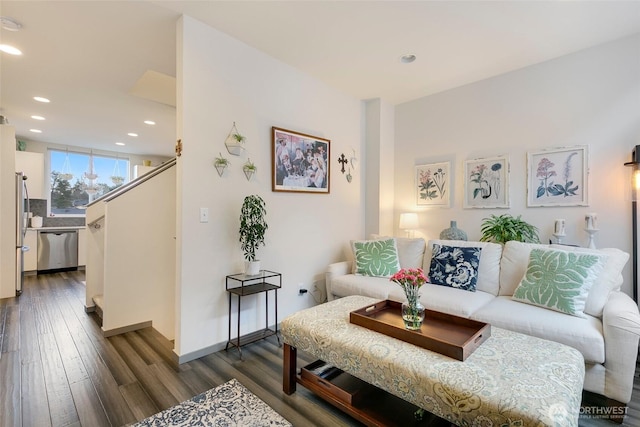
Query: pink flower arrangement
x: 410, y: 280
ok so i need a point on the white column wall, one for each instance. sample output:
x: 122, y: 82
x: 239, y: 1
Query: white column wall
x: 588, y: 98
x: 7, y: 211
x: 379, y: 167
x: 221, y: 81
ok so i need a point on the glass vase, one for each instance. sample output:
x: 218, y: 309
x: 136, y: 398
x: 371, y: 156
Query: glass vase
x: 413, y: 315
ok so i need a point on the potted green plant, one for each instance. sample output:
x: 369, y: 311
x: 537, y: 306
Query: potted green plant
x: 253, y: 227
x: 502, y: 228
x: 221, y: 163
x: 249, y: 169
x: 239, y: 138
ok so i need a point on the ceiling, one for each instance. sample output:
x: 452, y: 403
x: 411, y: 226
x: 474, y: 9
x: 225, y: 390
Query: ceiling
x: 87, y: 56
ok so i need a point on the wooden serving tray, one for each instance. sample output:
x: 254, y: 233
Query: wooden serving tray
x: 443, y: 333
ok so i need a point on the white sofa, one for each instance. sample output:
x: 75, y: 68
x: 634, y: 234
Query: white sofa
x: 607, y: 335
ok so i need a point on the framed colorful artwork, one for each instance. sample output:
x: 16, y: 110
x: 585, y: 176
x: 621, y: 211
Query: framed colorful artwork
x: 486, y: 183
x: 433, y: 184
x: 557, y: 177
x: 299, y: 162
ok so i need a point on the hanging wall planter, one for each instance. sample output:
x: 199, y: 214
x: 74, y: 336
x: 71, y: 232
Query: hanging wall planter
x: 66, y: 168
x: 235, y: 141
x: 220, y: 163
x: 249, y: 169
x: 117, y: 178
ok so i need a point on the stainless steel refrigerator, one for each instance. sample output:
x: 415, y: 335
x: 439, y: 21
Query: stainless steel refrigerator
x: 22, y: 208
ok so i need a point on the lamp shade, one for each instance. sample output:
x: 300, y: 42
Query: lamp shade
x: 408, y: 221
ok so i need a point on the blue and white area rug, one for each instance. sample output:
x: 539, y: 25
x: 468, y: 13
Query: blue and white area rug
x: 229, y: 405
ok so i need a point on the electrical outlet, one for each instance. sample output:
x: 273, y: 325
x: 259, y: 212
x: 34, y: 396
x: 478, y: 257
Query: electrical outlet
x: 301, y: 289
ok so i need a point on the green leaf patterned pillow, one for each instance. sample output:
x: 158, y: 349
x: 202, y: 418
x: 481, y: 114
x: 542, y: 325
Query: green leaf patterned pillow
x: 376, y: 257
x: 559, y: 280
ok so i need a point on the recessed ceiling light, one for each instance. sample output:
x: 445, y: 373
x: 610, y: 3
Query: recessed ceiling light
x: 408, y: 58
x: 35, y: 130
x: 9, y: 24
x: 120, y: 143
x: 10, y: 49
x: 41, y: 99
x: 37, y: 117
x: 132, y: 134
x: 149, y: 122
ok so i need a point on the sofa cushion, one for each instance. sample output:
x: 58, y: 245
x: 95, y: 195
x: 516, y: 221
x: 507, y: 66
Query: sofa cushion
x: 488, y: 268
x: 609, y: 280
x: 410, y: 251
x: 351, y: 284
x: 454, y: 266
x: 515, y: 259
x: 583, y: 334
x: 559, y: 280
x: 447, y: 300
x: 378, y: 258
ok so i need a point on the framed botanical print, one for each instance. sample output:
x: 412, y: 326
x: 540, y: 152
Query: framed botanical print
x: 486, y: 183
x: 433, y: 184
x: 557, y: 177
x: 299, y: 162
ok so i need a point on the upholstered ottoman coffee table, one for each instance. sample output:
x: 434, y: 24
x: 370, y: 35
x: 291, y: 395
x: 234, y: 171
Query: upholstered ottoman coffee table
x: 511, y: 379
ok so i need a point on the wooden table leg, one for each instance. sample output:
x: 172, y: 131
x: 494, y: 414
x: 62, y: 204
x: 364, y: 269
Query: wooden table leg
x: 289, y: 369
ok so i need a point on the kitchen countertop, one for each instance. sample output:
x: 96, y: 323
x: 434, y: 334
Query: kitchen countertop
x: 69, y: 227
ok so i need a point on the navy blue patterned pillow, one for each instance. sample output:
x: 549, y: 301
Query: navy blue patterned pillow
x: 454, y: 266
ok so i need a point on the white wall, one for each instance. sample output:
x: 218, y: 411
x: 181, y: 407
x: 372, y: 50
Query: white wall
x: 221, y: 80
x: 7, y: 212
x: 587, y: 98
x: 139, y: 281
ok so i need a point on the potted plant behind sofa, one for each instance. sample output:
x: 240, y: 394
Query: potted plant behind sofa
x: 253, y: 227
x: 502, y: 228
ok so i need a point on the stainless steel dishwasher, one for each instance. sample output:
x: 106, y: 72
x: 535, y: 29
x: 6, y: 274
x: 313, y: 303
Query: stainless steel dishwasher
x: 57, y: 249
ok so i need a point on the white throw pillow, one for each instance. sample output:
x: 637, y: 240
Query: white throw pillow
x: 410, y: 251
x: 513, y: 266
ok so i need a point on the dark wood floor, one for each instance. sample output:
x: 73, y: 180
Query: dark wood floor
x: 56, y: 369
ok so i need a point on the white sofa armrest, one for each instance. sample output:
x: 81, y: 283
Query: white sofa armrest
x: 335, y: 270
x: 621, y: 329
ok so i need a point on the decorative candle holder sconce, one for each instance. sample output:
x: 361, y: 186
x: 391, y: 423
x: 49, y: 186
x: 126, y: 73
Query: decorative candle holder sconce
x: 220, y: 163
x: 559, y: 230
x: 249, y: 169
x: 235, y: 141
x: 353, y: 159
x: 591, y: 227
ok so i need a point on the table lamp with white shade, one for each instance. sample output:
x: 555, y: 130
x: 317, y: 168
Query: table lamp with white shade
x: 409, y: 222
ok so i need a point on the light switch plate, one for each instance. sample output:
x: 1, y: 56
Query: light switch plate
x: 204, y: 214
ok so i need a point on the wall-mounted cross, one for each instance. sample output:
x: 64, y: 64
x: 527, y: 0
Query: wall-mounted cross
x: 343, y: 161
